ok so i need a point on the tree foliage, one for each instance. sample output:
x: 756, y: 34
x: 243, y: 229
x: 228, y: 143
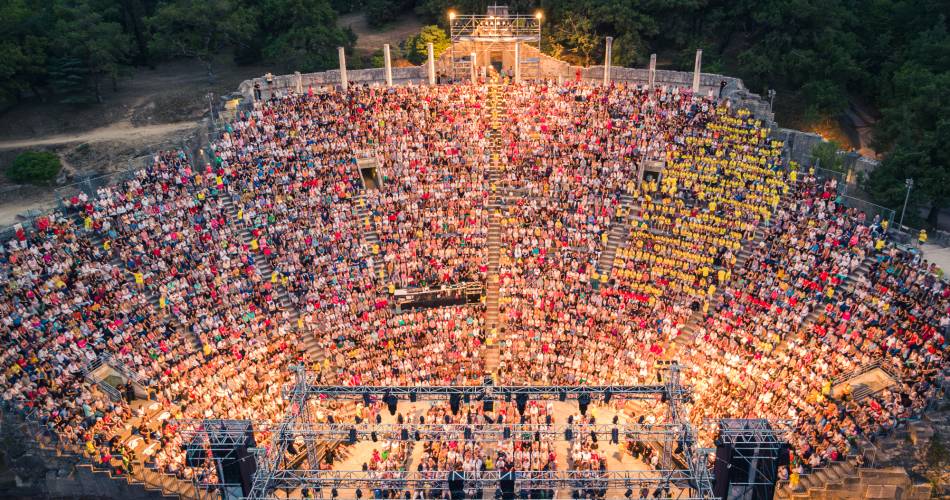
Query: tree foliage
x: 826, y: 155
x: 416, y: 48
x: 34, y: 167
x: 200, y: 28
x: 305, y: 34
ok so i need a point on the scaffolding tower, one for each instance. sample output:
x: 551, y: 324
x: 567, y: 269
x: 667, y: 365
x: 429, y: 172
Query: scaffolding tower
x: 492, y: 39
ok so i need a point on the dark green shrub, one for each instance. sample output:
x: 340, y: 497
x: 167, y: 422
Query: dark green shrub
x: 34, y: 167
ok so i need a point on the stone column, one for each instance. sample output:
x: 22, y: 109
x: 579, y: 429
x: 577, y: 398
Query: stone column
x: 474, y: 73
x: 431, y: 63
x: 388, y: 64
x: 607, y: 54
x: 697, y: 69
x: 344, y: 83
x: 517, y: 62
x: 652, y: 72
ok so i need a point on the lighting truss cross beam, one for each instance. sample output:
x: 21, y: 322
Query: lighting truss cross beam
x: 483, y: 432
x: 482, y: 392
x: 524, y: 480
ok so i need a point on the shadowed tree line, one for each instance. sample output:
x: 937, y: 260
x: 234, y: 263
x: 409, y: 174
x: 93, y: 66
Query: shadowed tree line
x: 70, y: 50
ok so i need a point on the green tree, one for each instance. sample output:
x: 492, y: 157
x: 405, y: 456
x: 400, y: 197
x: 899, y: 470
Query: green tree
x: 34, y: 167
x: 86, y: 34
x: 826, y: 154
x: 200, y: 29
x: 574, y: 39
x: 416, y: 46
x: 24, y: 48
x: 303, y: 34
x: 380, y: 12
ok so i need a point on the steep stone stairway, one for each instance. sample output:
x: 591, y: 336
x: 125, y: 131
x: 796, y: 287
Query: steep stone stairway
x: 496, y: 205
x: 372, y: 244
x: 261, y: 262
x: 619, y: 232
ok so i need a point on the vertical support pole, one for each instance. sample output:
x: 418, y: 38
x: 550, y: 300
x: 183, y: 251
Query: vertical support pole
x: 388, y: 63
x: 344, y: 83
x: 474, y: 74
x: 517, y: 62
x: 697, y: 69
x: 607, y: 56
x: 452, y: 43
x: 431, y: 49
x: 652, y: 72
x: 298, y: 82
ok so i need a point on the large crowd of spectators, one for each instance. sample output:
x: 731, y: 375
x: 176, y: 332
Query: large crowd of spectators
x: 162, y: 273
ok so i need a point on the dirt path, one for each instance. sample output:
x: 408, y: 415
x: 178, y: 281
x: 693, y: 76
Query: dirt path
x: 371, y: 39
x: 118, y: 131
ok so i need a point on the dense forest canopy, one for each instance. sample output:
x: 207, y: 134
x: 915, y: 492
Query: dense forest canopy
x: 819, y: 55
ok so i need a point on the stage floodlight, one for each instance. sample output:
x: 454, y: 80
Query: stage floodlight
x: 522, y: 401
x: 391, y: 402
x: 583, y: 400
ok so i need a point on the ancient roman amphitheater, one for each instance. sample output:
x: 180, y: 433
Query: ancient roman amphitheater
x: 490, y: 276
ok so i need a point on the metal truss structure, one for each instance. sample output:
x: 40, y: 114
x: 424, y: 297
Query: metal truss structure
x: 757, y: 447
x: 490, y: 433
x: 493, y: 32
x: 322, y: 480
x: 683, y: 466
x: 275, y: 474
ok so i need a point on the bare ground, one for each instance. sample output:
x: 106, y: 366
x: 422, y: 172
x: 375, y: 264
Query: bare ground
x: 370, y: 39
x: 152, y: 110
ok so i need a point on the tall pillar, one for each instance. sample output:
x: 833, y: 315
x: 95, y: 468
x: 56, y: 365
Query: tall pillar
x: 607, y: 55
x: 344, y: 83
x: 388, y: 63
x: 652, y: 72
x: 474, y: 74
x: 517, y: 62
x: 697, y: 69
x: 431, y: 65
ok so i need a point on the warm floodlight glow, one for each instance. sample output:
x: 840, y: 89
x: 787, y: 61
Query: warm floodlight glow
x: 451, y: 14
x: 538, y: 15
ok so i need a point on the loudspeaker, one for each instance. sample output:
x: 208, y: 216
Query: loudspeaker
x: 506, y: 484
x: 783, y: 456
x: 746, y: 471
x: 238, y: 465
x: 456, y: 484
x: 721, y: 471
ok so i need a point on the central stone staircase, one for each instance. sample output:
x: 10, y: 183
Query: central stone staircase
x: 496, y: 204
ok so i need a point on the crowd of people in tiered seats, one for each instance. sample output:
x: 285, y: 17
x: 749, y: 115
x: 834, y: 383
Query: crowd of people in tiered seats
x: 164, y: 273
